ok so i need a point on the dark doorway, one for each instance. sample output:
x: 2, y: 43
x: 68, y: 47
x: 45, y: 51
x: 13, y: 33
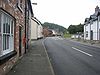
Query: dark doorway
x: 91, y: 35
x: 20, y: 40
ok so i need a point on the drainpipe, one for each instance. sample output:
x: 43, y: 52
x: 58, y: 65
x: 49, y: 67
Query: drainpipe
x: 25, y: 21
x: 85, y: 31
x: 90, y: 32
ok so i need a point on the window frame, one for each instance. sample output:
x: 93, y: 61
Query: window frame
x: 86, y: 33
x: 11, y: 36
x: 20, y: 5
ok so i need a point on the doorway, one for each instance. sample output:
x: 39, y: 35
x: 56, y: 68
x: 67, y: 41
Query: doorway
x: 91, y: 35
x: 20, y: 40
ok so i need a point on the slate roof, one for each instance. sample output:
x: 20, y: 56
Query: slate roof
x: 93, y: 17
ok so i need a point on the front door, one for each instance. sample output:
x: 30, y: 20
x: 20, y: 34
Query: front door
x: 91, y: 35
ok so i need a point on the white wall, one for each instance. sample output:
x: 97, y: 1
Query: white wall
x: 34, y: 30
x: 94, y: 28
x: 40, y: 30
x: 84, y: 32
x: 88, y: 29
x: 99, y: 31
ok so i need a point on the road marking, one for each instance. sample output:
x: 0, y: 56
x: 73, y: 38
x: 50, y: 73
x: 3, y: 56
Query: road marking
x: 57, y: 38
x: 82, y: 52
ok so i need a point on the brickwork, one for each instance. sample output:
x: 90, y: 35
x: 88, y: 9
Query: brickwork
x: 12, y: 9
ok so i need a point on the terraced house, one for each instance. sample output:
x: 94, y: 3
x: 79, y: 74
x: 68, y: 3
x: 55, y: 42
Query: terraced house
x: 15, y: 21
x: 92, y: 26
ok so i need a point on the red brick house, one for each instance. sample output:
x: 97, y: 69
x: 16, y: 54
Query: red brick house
x: 47, y: 32
x: 15, y: 17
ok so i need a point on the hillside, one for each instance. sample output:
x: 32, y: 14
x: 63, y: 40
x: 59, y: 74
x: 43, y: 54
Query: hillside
x: 56, y: 27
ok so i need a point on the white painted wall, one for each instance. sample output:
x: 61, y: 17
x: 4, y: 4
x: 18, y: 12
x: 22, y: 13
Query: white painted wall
x: 88, y: 29
x: 99, y: 31
x: 34, y: 30
x: 84, y: 32
x: 94, y: 28
x: 40, y: 30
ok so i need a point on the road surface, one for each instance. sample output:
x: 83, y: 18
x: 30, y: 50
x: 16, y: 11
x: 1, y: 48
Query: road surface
x: 72, y: 58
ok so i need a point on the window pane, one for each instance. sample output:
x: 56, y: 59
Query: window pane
x: 8, y: 26
x: 4, y: 23
x: 4, y: 42
x: 8, y: 41
x: 11, y: 27
x: 4, y: 28
x: 11, y: 43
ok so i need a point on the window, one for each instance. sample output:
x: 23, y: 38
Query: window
x: 6, y: 33
x: 86, y: 33
x: 20, y: 5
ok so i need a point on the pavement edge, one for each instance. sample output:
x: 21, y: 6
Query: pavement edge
x: 48, y: 58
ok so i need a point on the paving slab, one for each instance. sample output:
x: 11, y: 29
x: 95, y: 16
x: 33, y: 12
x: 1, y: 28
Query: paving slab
x: 34, y: 62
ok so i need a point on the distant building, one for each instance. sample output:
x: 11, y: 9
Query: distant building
x: 40, y: 31
x: 36, y: 29
x: 47, y: 32
x: 92, y: 26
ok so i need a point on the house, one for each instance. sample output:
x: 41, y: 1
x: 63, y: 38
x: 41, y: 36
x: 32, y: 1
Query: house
x: 14, y: 30
x: 34, y: 29
x: 92, y: 26
x: 47, y: 32
x: 28, y: 15
x: 40, y: 30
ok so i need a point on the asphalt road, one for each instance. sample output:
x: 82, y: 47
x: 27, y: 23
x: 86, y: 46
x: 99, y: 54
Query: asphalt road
x: 72, y: 58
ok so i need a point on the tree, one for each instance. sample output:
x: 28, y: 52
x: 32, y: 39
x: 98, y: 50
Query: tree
x: 73, y: 29
x: 55, y: 27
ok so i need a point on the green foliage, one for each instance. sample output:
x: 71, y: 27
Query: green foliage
x: 56, y: 27
x: 73, y: 29
x: 66, y: 35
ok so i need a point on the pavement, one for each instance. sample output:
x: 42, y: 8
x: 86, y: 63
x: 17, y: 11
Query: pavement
x: 35, y: 62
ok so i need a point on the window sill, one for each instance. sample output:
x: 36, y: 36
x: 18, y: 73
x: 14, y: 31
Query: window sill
x: 6, y: 57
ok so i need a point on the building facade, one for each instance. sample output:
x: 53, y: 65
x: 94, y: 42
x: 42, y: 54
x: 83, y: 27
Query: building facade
x: 34, y: 29
x: 40, y: 31
x: 92, y: 26
x: 14, y: 29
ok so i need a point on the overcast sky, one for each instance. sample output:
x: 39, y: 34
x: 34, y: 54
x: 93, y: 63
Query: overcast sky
x: 64, y: 12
